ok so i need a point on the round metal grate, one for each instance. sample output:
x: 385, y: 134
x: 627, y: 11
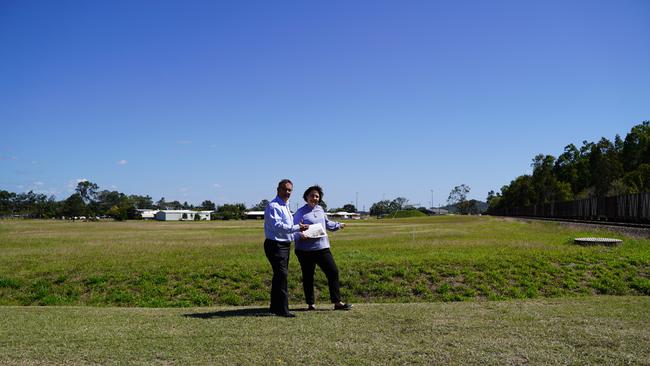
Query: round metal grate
x: 598, y: 241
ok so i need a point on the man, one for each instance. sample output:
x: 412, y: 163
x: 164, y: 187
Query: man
x: 279, y: 230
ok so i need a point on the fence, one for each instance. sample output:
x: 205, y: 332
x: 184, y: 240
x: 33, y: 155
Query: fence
x: 623, y: 208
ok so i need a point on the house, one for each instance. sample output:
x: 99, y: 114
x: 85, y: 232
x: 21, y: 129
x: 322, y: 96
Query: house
x: 182, y: 215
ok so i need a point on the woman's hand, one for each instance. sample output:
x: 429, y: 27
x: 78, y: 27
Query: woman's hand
x: 342, y: 225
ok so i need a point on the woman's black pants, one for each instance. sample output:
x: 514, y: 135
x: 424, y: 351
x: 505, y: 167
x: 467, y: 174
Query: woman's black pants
x: 277, y: 252
x: 308, y: 260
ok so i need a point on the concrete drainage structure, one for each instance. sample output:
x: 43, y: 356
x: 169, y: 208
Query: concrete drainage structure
x: 598, y: 241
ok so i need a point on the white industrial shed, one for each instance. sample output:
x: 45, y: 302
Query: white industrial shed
x: 182, y: 215
x: 146, y: 213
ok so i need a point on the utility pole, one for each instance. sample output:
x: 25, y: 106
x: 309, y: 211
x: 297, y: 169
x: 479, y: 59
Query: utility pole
x: 432, y: 199
x: 356, y: 203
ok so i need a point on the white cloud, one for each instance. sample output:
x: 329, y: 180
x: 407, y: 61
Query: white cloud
x: 72, y: 183
x: 184, y: 142
x: 39, y: 183
x: 113, y: 186
x: 5, y: 157
x: 122, y: 162
x: 216, y: 185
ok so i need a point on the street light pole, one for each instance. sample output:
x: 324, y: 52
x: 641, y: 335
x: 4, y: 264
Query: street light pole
x: 356, y: 202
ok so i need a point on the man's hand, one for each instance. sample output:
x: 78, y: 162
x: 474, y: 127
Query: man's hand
x: 342, y: 225
x: 303, y: 227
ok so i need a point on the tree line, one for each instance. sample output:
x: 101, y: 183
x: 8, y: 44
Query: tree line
x: 90, y: 202
x: 456, y: 203
x: 595, y: 169
x: 87, y: 201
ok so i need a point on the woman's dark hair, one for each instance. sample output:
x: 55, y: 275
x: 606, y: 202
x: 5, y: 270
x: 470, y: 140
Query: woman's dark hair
x: 316, y: 188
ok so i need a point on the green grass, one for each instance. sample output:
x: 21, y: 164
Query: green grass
x: 428, y: 259
x: 580, y: 331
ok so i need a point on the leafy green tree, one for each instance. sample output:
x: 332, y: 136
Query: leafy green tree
x: 518, y: 193
x: 468, y: 207
x: 161, y: 204
x: 30, y: 204
x: 604, y: 165
x: 74, y: 206
x: 141, y: 201
x: 638, y: 181
x: 105, y: 200
x: 584, y: 183
x: 174, y: 205
x: 458, y: 197
x: 7, y: 203
x: 566, y: 168
x: 546, y: 186
x: 260, y: 206
x: 208, y: 205
x: 349, y: 208
x: 380, y: 208
x: 636, y: 147
x: 491, y: 195
x: 87, y: 190
x: 397, y: 204
x: 235, y: 211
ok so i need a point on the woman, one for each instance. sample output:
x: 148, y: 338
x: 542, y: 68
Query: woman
x: 316, y: 251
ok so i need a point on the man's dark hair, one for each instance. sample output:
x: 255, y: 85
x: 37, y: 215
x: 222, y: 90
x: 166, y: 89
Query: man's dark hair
x: 283, y: 182
x: 316, y: 188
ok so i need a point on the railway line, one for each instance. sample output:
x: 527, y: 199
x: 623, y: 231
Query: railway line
x: 628, y: 228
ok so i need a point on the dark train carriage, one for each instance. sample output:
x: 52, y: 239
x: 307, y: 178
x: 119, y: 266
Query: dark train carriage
x: 634, y: 208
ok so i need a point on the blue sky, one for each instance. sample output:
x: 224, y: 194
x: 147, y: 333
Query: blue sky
x: 196, y: 100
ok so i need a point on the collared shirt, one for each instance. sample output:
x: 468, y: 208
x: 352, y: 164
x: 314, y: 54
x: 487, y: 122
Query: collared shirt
x: 309, y: 215
x: 278, y: 221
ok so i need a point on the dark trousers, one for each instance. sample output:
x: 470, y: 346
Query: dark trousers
x: 308, y: 261
x: 277, y: 253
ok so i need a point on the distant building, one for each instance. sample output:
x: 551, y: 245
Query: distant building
x: 182, y: 215
x: 146, y: 213
x: 344, y: 215
x: 254, y: 214
x: 338, y: 215
x: 439, y: 211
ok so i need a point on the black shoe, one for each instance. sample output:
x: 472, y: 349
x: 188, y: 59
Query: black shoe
x: 286, y: 315
x: 343, y: 307
x: 311, y: 307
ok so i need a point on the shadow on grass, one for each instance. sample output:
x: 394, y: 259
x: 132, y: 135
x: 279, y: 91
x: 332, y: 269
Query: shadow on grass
x: 242, y: 312
x: 231, y: 313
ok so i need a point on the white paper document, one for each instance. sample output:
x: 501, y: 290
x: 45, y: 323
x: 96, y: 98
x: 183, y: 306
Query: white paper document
x: 315, y: 231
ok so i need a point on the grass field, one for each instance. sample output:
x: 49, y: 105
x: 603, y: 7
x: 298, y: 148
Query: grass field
x: 606, y: 330
x: 421, y: 288
x: 181, y: 264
